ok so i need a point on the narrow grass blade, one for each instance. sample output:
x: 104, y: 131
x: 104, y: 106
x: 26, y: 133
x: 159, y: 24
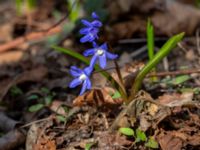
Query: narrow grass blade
x: 150, y: 45
x: 150, y: 39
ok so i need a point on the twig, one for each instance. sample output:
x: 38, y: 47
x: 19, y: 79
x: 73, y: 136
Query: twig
x: 31, y: 36
x: 173, y: 73
x: 36, y: 121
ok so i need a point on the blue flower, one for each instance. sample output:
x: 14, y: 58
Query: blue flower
x: 101, y: 53
x: 91, y: 30
x: 81, y: 77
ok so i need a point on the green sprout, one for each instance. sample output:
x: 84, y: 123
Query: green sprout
x: 45, y: 100
x: 140, y: 137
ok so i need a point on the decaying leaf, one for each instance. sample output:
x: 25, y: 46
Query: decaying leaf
x: 96, y: 97
x: 176, y: 99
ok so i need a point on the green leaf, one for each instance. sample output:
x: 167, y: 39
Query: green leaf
x: 45, y: 90
x: 152, y: 143
x: 127, y: 131
x: 116, y: 95
x: 48, y: 99
x: 196, y: 90
x: 105, y: 74
x: 61, y: 118
x: 33, y: 97
x: 35, y: 107
x: 164, y: 51
x: 88, y: 146
x: 140, y: 136
x: 179, y: 80
x: 75, y: 8
x: 16, y: 91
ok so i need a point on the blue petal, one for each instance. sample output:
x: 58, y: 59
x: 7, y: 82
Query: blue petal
x: 86, y: 23
x: 75, y: 72
x: 87, y: 38
x: 84, y: 30
x: 75, y: 83
x: 94, y: 30
x: 89, y: 52
x: 104, y: 46
x: 89, y: 84
x: 88, y: 70
x: 95, y: 16
x: 93, y: 61
x: 96, y: 23
x: 102, y: 61
x: 111, y: 56
x: 94, y: 44
x: 84, y: 87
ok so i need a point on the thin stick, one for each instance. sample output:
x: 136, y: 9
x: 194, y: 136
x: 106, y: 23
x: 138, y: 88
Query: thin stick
x: 173, y: 73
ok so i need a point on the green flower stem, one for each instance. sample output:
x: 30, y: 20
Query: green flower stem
x: 164, y: 51
x: 105, y: 74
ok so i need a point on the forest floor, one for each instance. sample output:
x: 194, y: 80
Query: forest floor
x: 38, y: 111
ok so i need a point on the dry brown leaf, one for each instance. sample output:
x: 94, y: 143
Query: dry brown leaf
x: 97, y: 97
x: 176, y: 99
x: 168, y: 141
x: 45, y: 144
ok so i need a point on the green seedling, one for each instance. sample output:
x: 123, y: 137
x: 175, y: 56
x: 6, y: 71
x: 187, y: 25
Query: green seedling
x: 140, y: 137
x: 116, y: 95
x: 45, y: 100
x: 88, y: 146
x: 127, y: 131
x: 16, y: 91
x: 151, y: 143
x: 179, y: 80
x: 61, y: 118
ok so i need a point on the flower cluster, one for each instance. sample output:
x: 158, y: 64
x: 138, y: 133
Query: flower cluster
x: 98, y: 52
